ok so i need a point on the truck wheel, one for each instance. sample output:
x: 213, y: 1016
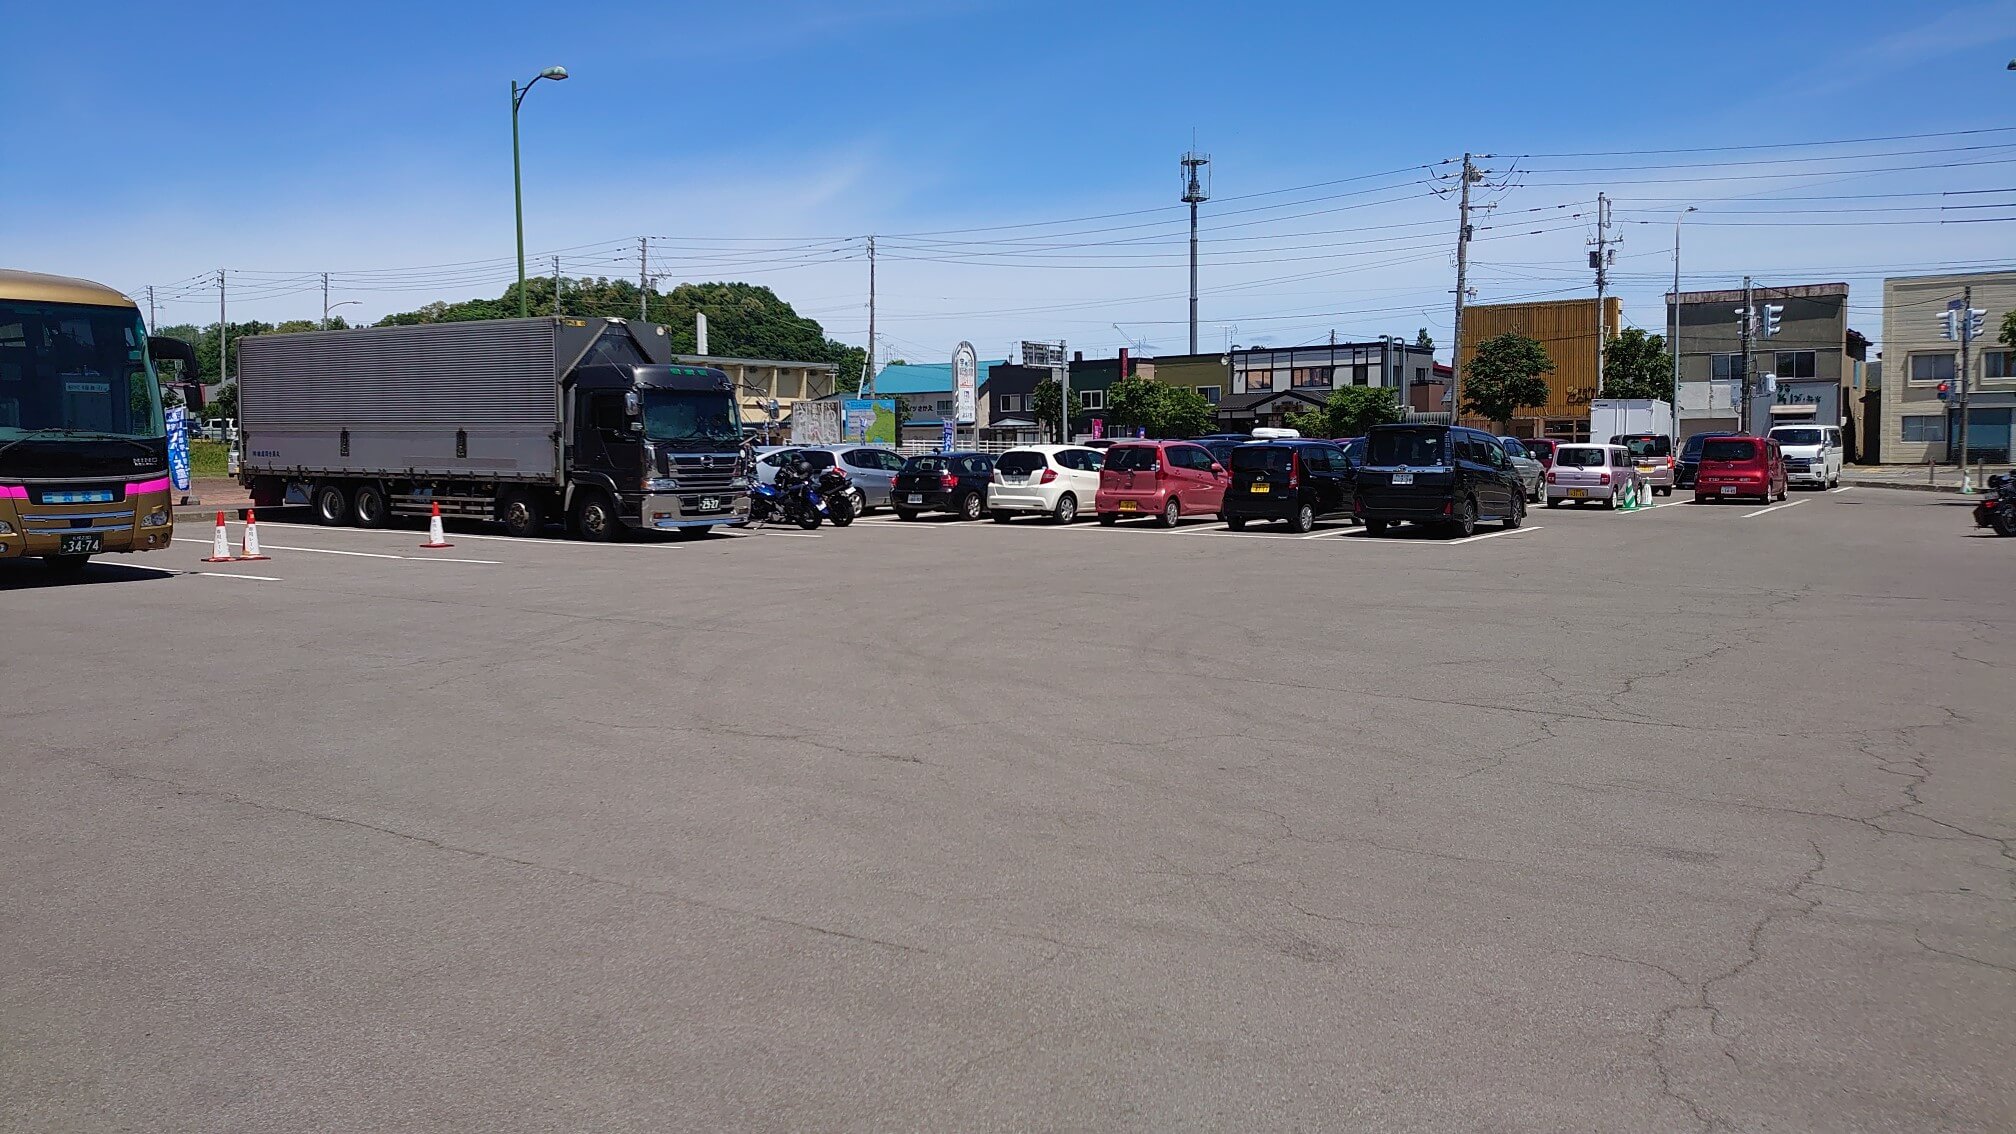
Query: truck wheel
x: 332, y: 505
x: 369, y: 507
x: 595, y: 518
x: 519, y: 513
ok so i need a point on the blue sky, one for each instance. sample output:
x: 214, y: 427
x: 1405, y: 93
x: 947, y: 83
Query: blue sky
x: 761, y: 140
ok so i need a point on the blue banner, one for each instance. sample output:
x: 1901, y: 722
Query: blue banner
x: 945, y: 442
x: 178, y: 446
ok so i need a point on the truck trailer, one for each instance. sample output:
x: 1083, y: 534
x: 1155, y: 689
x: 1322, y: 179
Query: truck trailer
x: 522, y: 421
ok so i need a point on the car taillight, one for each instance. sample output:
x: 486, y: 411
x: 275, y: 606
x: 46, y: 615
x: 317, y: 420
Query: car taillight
x: 1294, y: 470
x: 1605, y: 479
x: 1669, y: 460
x: 1048, y: 476
x: 947, y: 480
x: 1550, y: 476
x: 996, y: 478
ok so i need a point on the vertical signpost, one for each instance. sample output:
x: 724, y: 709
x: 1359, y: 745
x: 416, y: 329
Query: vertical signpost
x: 965, y: 383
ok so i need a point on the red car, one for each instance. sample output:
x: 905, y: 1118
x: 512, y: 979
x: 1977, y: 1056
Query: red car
x: 1541, y: 449
x: 1165, y: 479
x: 1740, y: 466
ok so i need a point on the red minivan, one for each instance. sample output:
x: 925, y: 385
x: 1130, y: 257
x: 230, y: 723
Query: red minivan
x: 1740, y: 466
x: 1165, y: 479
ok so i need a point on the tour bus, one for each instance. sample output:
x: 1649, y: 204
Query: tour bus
x: 83, y: 453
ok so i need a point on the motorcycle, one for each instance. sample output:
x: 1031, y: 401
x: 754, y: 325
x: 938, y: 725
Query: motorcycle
x: 1997, y: 508
x: 793, y: 497
x: 841, y: 498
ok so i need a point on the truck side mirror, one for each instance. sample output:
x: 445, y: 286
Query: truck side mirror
x: 630, y: 404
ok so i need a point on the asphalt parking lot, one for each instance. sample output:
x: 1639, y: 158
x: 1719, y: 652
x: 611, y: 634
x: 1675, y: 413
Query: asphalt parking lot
x: 1696, y: 818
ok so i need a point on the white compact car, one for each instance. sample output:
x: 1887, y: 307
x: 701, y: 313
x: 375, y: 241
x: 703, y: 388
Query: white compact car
x: 1050, y: 480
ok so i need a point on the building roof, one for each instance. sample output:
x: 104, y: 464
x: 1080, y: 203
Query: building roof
x: 1764, y: 293
x: 899, y: 378
x: 1237, y: 403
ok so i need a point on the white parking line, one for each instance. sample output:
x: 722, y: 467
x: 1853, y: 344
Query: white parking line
x: 1773, y: 508
x: 1843, y: 488
x: 1493, y: 535
x: 532, y: 540
x: 357, y: 554
x: 204, y: 574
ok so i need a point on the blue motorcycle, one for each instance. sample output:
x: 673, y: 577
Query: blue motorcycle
x: 791, y: 499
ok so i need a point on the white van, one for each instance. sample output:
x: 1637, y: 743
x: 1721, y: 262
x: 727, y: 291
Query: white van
x: 1813, y: 453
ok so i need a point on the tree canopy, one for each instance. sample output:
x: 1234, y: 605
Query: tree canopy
x: 1505, y: 375
x: 1161, y: 409
x: 1424, y: 340
x: 1349, y: 412
x: 1046, y: 403
x: 1638, y: 365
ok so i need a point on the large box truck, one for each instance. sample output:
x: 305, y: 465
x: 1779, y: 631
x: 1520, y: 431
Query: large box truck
x: 523, y: 421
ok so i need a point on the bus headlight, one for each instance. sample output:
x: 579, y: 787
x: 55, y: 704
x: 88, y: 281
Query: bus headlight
x: 155, y: 519
x: 6, y: 528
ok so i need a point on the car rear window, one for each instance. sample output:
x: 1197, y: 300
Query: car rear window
x: 1130, y: 458
x: 1646, y: 444
x: 1538, y: 447
x: 1414, y: 447
x: 817, y: 459
x: 1582, y: 456
x: 1718, y: 449
x: 1021, y: 464
x: 1260, y: 458
x: 924, y: 465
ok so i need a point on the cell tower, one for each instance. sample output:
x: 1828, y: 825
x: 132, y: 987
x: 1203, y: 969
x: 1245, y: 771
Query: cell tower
x: 1196, y: 189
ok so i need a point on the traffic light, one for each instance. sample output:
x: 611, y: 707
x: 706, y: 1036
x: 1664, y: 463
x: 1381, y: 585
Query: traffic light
x: 1772, y: 312
x: 1945, y: 390
x: 1746, y: 321
x: 1949, y: 323
x: 1975, y: 318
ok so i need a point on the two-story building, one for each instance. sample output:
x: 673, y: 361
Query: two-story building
x: 1812, y: 370
x: 1917, y: 425
x: 762, y: 384
x: 1007, y: 404
x: 924, y: 391
x: 1269, y: 383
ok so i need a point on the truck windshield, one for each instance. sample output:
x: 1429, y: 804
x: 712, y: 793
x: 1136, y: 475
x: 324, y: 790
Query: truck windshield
x: 75, y: 370
x: 691, y: 418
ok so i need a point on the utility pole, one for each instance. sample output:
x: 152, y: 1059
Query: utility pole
x: 1469, y: 175
x: 1600, y: 259
x: 1195, y: 191
x: 1961, y: 322
x: 1673, y: 344
x: 325, y: 301
x: 556, y: 287
x: 150, y: 307
x: 868, y: 363
x: 1749, y: 333
x: 223, y: 337
x: 643, y: 279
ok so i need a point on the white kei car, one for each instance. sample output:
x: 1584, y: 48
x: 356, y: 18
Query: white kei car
x: 1051, y: 480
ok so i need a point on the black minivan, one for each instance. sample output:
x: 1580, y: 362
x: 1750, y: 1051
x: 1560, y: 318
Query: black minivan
x: 1446, y: 475
x: 1296, y: 481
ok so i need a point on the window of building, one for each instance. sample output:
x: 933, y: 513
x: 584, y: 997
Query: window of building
x: 1794, y: 364
x: 1091, y: 399
x: 1310, y: 376
x: 1259, y: 379
x: 1361, y: 374
x: 1725, y: 367
x: 1210, y: 393
x: 1995, y: 364
x: 945, y: 406
x: 1420, y: 375
x: 1932, y: 367
x: 1924, y: 427
x: 1011, y: 403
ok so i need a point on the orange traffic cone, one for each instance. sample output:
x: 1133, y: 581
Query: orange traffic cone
x: 435, y: 536
x: 220, y: 543
x: 251, y: 542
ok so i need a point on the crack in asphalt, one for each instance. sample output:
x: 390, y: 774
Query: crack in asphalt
x: 496, y: 856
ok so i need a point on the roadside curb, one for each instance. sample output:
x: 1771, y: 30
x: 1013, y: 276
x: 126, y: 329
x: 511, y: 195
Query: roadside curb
x: 1948, y: 489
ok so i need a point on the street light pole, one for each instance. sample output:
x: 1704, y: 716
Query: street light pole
x: 517, y: 180
x: 1673, y: 344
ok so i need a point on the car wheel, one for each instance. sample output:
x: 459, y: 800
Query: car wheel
x: 1067, y: 508
x: 332, y: 505
x: 1533, y: 495
x: 1235, y: 523
x: 1553, y: 501
x: 1172, y: 513
x: 1000, y: 517
x: 1517, y: 516
x: 368, y: 506
x: 1303, y: 521
x: 1108, y: 519
x: 1375, y: 527
x: 905, y: 514
x: 595, y: 518
x: 1466, y: 518
x: 519, y: 513
x: 970, y: 506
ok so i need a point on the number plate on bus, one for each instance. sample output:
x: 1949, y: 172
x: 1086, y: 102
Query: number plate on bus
x: 80, y: 544
x: 1403, y: 478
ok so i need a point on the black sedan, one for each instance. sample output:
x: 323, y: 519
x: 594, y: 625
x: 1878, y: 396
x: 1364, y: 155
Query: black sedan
x: 943, y: 482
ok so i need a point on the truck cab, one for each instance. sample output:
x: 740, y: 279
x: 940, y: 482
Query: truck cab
x: 663, y: 442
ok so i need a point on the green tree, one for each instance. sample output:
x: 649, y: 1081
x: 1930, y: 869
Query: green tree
x: 1504, y: 376
x: 222, y: 403
x: 1046, y: 404
x: 2008, y: 335
x: 1349, y: 412
x: 1423, y: 340
x: 1161, y: 409
x: 1638, y: 365
x: 204, y: 339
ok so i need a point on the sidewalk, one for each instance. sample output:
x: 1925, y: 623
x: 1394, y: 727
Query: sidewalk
x: 1914, y: 478
x: 209, y: 495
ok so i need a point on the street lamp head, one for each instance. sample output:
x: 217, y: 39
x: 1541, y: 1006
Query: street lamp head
x: 554, y: 73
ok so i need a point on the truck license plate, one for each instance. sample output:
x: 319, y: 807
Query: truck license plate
x: 916, y: 498
x: 80, y: 544
x: 710, y: 503
x: 1403, y: 478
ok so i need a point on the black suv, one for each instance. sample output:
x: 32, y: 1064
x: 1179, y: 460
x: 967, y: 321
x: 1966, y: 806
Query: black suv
x: 1688, y: 465
x: 1296, y: 481
x: 1447, y: 475
x: 942, y: 482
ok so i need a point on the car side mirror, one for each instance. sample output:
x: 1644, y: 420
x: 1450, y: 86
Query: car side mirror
x: 1217, y: 469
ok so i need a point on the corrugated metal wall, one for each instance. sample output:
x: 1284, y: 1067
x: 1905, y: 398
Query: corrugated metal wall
x: 1566, y: 329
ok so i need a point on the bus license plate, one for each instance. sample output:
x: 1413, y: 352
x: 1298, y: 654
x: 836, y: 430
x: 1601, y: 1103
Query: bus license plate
x: 1403, y: 478
x: 80, y: 544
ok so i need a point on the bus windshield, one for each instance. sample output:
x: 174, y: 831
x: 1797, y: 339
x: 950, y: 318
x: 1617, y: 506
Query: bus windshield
x: 77, y: 370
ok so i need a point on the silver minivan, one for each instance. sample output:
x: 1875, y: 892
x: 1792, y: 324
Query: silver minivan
x: 1814, y: 454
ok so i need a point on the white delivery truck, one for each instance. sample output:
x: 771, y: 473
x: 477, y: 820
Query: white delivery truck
x: 1646, y: 427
